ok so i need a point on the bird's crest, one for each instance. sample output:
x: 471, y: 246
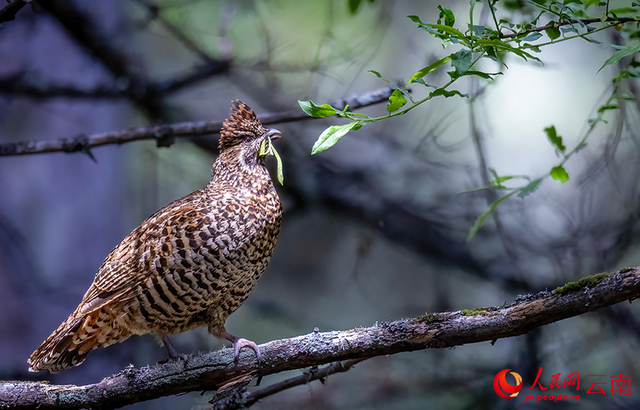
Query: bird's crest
x: 242, y: 122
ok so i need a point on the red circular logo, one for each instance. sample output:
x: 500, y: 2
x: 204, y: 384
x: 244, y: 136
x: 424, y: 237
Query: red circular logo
x: 503, y: 388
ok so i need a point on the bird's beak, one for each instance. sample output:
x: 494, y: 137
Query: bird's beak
x: 273, y: 134
x: 265, y: 146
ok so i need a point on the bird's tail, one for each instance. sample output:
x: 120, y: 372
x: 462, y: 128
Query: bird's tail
x: 70, y: 344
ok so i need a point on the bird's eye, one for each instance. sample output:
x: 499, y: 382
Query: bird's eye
x: 247, y: 138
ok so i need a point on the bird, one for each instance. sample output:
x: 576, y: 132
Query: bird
x: 191, y: 264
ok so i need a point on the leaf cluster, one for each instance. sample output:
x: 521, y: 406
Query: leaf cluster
x: 557, y: 20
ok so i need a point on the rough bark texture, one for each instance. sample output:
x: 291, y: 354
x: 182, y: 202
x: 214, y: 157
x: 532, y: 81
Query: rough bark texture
x: 165, y: 134
x: 438, y: 330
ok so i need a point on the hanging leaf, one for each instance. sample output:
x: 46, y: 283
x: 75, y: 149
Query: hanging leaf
x: 332, y: 135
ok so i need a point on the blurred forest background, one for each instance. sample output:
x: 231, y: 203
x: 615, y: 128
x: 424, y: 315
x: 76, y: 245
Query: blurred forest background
x: 374, y: 228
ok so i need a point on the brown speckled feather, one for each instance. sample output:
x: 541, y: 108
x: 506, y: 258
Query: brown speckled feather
x: 190, y: 264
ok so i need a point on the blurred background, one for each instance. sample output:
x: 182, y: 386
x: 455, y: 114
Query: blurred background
x: 374, y: 228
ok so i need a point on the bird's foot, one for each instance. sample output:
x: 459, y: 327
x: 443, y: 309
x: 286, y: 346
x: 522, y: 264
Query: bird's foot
x: 239, y: 343
x: 173, y: 353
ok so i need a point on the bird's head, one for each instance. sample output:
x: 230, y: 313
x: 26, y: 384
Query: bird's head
x: 243, y: 135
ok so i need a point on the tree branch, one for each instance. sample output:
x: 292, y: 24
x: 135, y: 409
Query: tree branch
x: 570, y: 22
x: 168, y: 131
x: 438, y: 330
x: 8, y: 12
x: 239, y: 399
x: 18, y: 85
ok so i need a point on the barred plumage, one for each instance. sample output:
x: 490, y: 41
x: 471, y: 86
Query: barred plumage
x: 191, y: 264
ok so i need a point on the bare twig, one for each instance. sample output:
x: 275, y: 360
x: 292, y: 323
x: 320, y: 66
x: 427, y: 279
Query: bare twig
x: 19, y: 85
x: 154, y: 12
x: 439, y: 330
x: 242, y: 399
x: 84, y: 143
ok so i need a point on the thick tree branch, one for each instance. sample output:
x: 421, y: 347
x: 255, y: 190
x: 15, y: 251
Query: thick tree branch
x: 168, y: 131
x: 439, y: 330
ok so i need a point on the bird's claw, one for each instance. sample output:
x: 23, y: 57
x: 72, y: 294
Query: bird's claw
x: 241, y: 343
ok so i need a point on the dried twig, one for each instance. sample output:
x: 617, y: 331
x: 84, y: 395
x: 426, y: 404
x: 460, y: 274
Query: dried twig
x: 242, y: 399
x: 166, y: 132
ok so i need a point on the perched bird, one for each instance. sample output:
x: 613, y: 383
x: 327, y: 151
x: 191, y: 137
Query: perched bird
x: 191, y: 264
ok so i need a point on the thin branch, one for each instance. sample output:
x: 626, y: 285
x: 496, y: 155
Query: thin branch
x: 240, y: 399
x: 570, y: 22
x: 439, y: 330
x: 154, y: 12
x: 165, y: 132
x: 17, y: 84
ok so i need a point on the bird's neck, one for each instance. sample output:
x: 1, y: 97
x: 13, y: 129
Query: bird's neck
x: 235, y: 171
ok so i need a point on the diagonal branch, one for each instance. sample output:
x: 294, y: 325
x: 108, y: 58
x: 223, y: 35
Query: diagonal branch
x: 438, y: 330
x: 238, y: 399
x: 8, y: 12
x: 168, y: 131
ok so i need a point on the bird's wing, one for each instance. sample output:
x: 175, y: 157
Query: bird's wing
x: 131, y: 262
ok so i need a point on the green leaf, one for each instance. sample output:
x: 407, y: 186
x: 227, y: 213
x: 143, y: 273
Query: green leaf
x: 447, y: 15
x: 431, y: 67
x: 484, y: 216
x: 497, y: 180
x: 532, y: 37
x: 447, y: 94
x: 318, y: 111
x: 554, y: 138
x: 267, y: 148
x: 353, y: 5
x: 607, y: 108
x: 529, y: 188
x: 396, y: 101
x: 446, y: 29
x: 552, y: 32
x: 415, y: 19
x: 580, y: 147
x: 332, y: 135
x: 419, y: 80
x: 504, y: 46
x: 618, y: 55
x: 461, y: 61
x: 491, y: 54
x: 479, y: 30
x: 481, y: 74
x: 279, y: 167
x: 559, y: 174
